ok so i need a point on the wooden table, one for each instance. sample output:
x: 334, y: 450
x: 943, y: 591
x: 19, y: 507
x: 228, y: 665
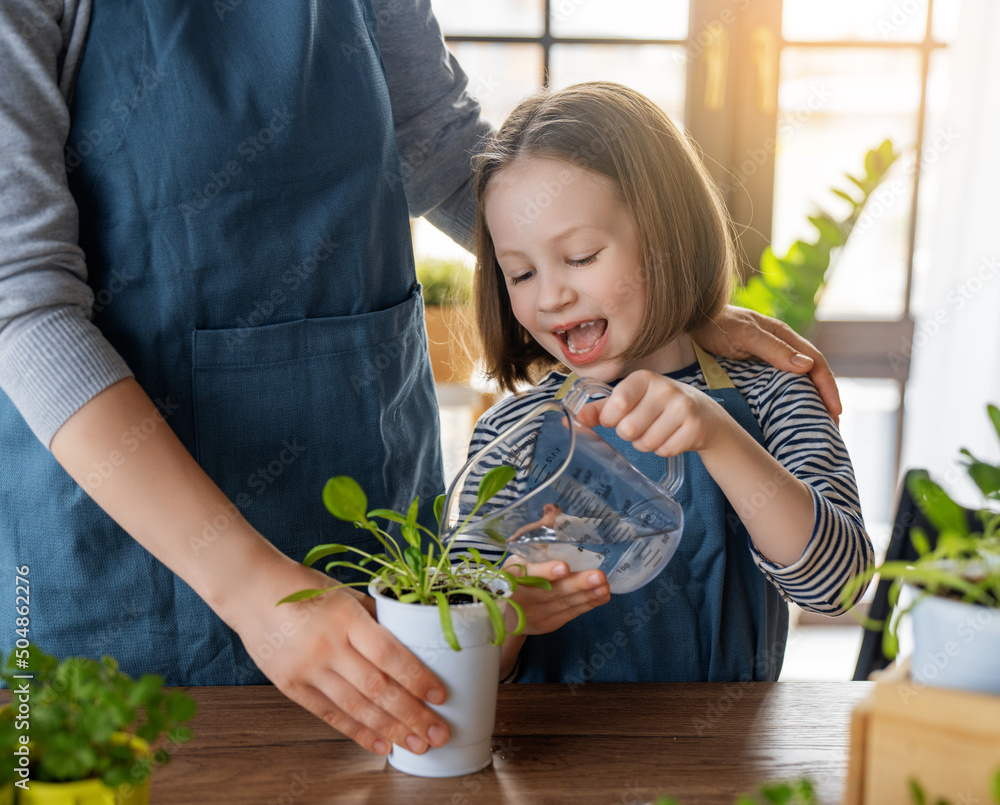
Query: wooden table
x: 606, y: 744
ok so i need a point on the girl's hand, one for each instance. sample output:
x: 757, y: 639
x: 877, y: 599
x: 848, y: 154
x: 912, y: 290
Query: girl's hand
x: 658, y: 415
x: 741, y: 333
x: 572, y: 594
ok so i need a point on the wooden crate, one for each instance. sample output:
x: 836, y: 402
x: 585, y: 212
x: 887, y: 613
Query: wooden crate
x: 947, y: 740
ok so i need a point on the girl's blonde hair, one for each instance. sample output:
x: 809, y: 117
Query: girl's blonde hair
x: 688, y: 255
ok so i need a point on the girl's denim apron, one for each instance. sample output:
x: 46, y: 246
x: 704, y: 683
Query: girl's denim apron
x: 241, y: 199
x: 710, y: 616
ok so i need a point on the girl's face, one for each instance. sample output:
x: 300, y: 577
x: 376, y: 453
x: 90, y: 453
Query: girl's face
x: 571, y: 257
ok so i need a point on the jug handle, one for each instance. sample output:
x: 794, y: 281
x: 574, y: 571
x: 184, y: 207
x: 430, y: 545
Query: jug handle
x: 581, y: 393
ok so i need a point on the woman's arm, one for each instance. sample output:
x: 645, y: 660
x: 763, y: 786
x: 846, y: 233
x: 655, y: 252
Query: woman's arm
x: 741, y: 334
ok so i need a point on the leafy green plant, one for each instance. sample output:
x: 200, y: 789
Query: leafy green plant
x: 789, y: 288
x: 966, y: 562
x: 797, y: 792
x: 918, y: 797
x: 445, y: 282
x: 86, y: 719
x: 419, y: 569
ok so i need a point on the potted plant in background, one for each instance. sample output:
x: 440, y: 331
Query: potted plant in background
x: 449, y: 611
x: 955, y: 586
x: 93, y: 733
x: 447, y: 291
x: 789, y: 288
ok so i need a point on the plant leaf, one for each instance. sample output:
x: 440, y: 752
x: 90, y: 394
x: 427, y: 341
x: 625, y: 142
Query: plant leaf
x: 941, y: 510
x: 345, y: 499
x: 322, y: 551
x: 446, y: 625
x: 302, y: 595
x: 495, y: 480
x: 916, y: 792
x: 387, y: 514
x: 994, y: 413
x: 415, y: 559
x: 439, y: 509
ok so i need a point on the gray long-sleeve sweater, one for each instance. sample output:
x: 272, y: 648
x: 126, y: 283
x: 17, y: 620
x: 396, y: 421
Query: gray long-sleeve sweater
x: 53, y: 360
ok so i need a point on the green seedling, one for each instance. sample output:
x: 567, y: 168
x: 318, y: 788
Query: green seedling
x: 419, y: 568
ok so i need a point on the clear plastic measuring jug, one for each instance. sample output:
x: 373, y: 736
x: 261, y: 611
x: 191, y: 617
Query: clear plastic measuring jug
x: 574, y: 497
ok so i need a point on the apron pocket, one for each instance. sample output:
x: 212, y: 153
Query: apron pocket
x: 279, y: 409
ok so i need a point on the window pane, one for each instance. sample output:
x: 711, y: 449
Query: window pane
x: 496, y: 18
x: 641, y: 19
x: 657, y: 71
x: 500, y: 75
x: 945, y: 22
x: 874, y: 20
x: 868, y: 427
x: 834, y: 105
x: 938, y: 138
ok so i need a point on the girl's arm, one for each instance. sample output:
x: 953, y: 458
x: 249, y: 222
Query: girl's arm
x: 796, y: 495
x: 665, y: 417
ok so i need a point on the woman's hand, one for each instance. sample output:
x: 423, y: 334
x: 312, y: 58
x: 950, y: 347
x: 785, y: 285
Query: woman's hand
x: 572, y: 594
x: 741, y: 333
x: 658, y: 415
x: 331, y: 656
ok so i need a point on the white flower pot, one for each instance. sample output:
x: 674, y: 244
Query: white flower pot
x: 956, y: 645
x: 470, y: 676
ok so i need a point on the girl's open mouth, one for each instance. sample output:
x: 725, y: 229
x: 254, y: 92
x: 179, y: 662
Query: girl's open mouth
x: 583, y: 342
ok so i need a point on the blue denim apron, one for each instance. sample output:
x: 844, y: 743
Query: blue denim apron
x: 240, y: 198
x: 709, y: 616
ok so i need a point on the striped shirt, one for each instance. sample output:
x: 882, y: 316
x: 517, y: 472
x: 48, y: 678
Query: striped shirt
x: 798, y: 432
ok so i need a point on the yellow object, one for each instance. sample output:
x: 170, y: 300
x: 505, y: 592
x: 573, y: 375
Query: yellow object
x: 82, y: 792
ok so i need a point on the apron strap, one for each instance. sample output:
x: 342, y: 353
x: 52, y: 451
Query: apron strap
x: 715, y: 375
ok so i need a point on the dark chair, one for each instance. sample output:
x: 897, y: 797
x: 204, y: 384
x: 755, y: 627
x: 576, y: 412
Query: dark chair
x: 908, y: 515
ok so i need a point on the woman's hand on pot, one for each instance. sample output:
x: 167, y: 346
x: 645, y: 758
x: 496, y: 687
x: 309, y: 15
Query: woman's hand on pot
x: 331, y: 656
x: 740, y: 333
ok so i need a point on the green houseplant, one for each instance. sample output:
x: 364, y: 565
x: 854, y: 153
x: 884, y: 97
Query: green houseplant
x: 789, y: 288
x: 81, y: 728
x: 955, y: 607
x: 448, y: 610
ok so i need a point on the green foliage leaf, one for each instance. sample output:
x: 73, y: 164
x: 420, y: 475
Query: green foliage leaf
x: 439, y: 508
x: 985, y: 476
x: 322, y: 551
x: 495, y: 480
x: 916, y: 792
x: 790, y: 287
x: 303, y: 595
x: 446, y: 624
x: 415, y: 559
x: 345, y: 499
x: 387, y: 514
x: 941, y: 510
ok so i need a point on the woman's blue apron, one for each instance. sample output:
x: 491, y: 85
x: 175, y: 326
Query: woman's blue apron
x: 247, y: 239
x: 710, y: 616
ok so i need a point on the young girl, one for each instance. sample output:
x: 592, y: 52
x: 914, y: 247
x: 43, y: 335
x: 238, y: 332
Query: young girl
x: 601, y: 243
